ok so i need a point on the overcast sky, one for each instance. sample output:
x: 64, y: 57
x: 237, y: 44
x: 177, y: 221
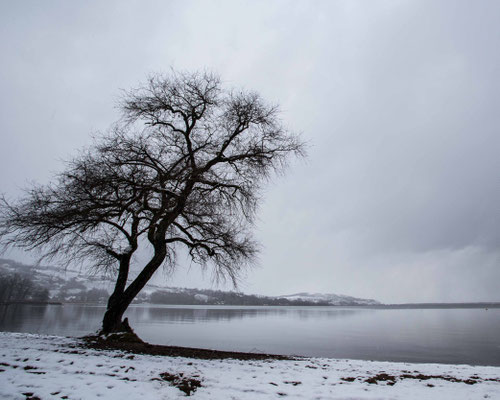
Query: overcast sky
x: 399, y: 199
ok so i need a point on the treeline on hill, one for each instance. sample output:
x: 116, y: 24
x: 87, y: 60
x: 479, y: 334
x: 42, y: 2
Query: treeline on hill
x: 214, y: 297
x: 74, y: 291
x: 27, y: 288
x: 22, y: 284
x: 21, y: 288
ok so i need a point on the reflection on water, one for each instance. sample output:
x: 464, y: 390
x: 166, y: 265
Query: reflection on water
x: 67, y: 320
x: 194, y: 315
x: 418, y: 335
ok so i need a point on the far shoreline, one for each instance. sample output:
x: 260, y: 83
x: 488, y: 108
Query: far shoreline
x: 396, y: 306
x: 32, y: 303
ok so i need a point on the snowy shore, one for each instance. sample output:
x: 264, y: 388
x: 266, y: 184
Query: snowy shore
x: 52, y: 367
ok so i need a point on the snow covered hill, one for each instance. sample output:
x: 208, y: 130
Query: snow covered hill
x: 68, y: 284
x: 77, y: 285
x: 330, y: 298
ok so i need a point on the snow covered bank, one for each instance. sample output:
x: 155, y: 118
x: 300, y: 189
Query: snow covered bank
x: 51, y: 367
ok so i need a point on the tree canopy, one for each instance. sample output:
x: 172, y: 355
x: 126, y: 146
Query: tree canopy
x: 183, y: 167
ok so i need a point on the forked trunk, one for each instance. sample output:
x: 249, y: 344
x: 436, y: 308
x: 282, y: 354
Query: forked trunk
x: 121, y: 297
x: 112, y: 321
x: 118, y: 303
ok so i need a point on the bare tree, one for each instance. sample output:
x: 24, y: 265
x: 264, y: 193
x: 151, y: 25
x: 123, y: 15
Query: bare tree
x: 20, y: 288
x: 182, y: 168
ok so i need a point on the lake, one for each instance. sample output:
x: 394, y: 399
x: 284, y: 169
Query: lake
x: 455, y: 336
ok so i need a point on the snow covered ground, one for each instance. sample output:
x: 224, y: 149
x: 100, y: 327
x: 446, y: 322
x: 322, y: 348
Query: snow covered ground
x: 52, y: 367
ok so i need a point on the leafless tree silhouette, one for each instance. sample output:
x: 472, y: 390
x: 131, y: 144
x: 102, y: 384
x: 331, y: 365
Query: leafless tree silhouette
x: 183, y: 167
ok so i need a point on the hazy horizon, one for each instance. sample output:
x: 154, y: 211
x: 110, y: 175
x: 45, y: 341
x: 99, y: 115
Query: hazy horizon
x: 164, y: 284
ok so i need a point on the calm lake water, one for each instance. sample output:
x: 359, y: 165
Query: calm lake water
x: 468, y: 336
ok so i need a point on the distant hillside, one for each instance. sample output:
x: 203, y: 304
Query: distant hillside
x: 218, y: 297
x: 330, y: 299
x: 70, y: 285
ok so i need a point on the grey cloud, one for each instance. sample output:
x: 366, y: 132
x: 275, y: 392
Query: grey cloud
x: 399, y: 197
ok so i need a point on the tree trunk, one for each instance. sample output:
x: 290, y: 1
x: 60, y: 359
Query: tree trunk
x: 121, y: 299
x: 117, y: 303
x: 112, y: 321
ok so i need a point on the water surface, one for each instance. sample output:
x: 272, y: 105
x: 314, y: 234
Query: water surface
x: 458, y: 336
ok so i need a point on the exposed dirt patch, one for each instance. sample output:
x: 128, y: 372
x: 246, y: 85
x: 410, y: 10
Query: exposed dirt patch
x: 135, y: 345
x: 383, y: 377
x: 392, y: 379
x: 294, y: 383
x: 30, y: 396
x: 422, y: 377
x: 185, y: 384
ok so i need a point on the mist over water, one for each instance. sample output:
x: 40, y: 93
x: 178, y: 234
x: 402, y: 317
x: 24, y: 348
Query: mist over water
x: 457, y: 336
